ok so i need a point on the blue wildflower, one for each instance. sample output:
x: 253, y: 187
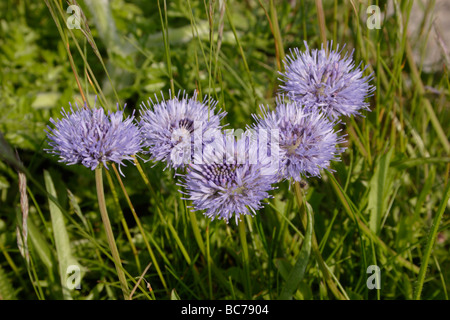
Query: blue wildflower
x: 90, y: 137
x: 307, y: 140
x: 229, y: 179
x: 324, y: 80
x: 170, y: 126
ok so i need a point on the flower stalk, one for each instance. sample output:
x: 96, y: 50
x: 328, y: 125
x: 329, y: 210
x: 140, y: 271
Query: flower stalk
x: 109, y: 233
x: 141, y: 228
x: 245, y: 257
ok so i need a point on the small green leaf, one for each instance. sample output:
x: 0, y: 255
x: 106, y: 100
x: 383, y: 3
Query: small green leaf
x: 41, y: 245
x: 174, y: 295
x: 298, y: 271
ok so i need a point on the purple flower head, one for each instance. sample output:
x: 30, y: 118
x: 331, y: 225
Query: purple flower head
x: 324, y: 80
x: 170, y: 126
x: 307, y: 140
x: 229, y: 179
x: 90, y: 137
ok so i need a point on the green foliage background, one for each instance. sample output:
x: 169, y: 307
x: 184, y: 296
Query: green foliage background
x: 393, y: 176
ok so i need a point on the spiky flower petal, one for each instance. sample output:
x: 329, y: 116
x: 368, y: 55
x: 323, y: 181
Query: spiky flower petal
x: 307, y: 140
x: 327, y: 81
x: 230, y: 179
x: 90, y: 137
x: 170, y: 126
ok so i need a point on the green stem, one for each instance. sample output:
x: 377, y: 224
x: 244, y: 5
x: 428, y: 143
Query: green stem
x: 166, y: 222
x: 123, y: 221
x: 196, y: 229
x: 208, y: 263
x: 165, y: 34
x: 277, y: 34
x: 277, y: 50
x: 205, y: 250
x: 109, y: 233
x: 245, y: 260
x: 315, y: 246
x: 430, y: 243
x: 141, y: 229
x: 159, y: 211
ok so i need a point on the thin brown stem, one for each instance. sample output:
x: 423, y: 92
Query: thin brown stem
x: 322, y: 26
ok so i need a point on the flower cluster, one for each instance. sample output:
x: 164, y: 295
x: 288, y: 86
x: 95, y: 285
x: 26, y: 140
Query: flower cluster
x: 168, y: 128
x: 307, y: 140
x: 90, y: 137
x: 324, y: 81
x: 223, y: 175
x: 229, y: 178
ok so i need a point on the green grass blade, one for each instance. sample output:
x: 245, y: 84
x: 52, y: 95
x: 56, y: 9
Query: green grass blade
x: 277, y: 33
x: 380, y: 188
x: 430, y: 242
x: 366, y: 230
x: 61, y: 236
x: 245, y: 257
x: 408, y: 163
x: 241, y: 51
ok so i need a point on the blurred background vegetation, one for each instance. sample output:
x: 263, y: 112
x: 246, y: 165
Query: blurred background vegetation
x: 393, y: 175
